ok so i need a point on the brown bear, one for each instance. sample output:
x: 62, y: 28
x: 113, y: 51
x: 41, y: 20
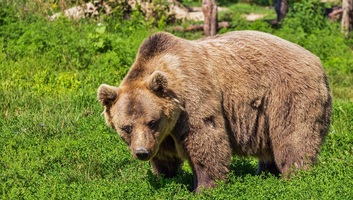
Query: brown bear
x: 245, y: 93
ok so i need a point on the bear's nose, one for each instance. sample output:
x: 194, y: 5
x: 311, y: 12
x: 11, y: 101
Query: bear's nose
x: 142, y: 153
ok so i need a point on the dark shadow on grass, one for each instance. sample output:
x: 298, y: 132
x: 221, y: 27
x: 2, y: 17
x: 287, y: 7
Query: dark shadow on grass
x: 183, y: 178
x: 242, y: 167
x: 238, y: 168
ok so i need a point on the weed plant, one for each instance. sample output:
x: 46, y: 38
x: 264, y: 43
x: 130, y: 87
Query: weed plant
x: 54, y: 143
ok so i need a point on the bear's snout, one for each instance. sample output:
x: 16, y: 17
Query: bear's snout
x: 142, y: 153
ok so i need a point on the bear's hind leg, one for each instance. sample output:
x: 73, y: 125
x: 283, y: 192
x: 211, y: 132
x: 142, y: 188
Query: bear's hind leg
x: 290, y: 159
x: 300, y: 128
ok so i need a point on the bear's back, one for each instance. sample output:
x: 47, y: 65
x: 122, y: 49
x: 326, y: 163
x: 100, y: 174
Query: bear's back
x: 244, y: 61
x: 253, y: 49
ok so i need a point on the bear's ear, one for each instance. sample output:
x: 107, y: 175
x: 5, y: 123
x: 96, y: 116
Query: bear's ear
x: 157, y: 82
x: 107, y: 94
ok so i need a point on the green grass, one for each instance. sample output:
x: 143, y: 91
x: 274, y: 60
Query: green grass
x: 54, y: 143
x: 244, y: 8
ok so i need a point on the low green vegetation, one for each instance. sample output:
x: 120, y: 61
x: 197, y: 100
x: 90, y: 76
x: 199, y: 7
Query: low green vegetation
x: 54, y: 143
x: 266, y: 12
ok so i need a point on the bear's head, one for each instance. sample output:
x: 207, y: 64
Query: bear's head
x: 142, y: 112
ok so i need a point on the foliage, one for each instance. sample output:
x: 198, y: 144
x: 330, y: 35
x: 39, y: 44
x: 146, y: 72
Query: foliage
x: 307, y: 16
x: 154, y: 12
x: 54, y: 142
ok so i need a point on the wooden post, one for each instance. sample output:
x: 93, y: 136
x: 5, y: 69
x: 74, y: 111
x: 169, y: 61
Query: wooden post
x: 346, y: 23
x: 209, y: 9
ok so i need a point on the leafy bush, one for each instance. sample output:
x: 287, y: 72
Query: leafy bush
x: 307, y: 16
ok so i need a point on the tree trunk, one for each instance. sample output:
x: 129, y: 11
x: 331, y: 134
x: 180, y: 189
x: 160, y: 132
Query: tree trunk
x: 281, y: 8
x: 346, y: 23
x: 209, y: 9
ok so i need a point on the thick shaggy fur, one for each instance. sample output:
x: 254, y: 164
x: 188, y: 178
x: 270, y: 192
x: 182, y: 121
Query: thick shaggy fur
x: 246, y: 93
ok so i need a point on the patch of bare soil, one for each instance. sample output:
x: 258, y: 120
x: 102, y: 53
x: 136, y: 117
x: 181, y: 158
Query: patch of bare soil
x: 253, y: 16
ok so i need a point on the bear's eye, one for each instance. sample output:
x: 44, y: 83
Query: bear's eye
x: 127, y: 129
x: 153, y: 124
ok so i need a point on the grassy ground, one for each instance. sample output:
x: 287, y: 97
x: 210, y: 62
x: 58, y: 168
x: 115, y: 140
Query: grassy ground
x: 54, y: 143
x: 266, y: 12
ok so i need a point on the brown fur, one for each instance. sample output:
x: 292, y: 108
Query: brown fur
x: 246, y: 93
